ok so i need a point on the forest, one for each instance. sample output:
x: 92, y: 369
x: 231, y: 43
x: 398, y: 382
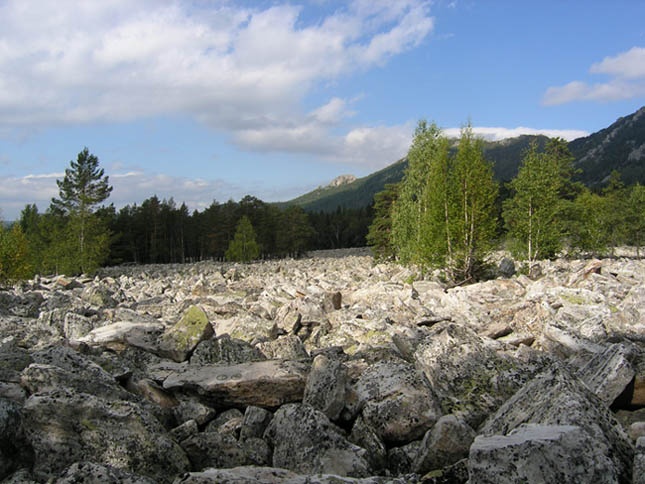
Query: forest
x: 447, y: 212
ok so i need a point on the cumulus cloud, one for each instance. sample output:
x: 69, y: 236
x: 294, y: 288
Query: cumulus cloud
x: 626, y: 81
x: 222, y: 63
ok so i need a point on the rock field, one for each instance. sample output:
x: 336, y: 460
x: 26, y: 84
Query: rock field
x: 325, y: 370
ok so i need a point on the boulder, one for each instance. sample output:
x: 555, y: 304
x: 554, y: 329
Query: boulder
x: 225, y: 349
x: 395, y: 401
x: 214, y: 449
x: 556, y: 398
x: 608, y: 373
x: 304, y: 440
x: 288, y: 347
x: 118, y: 336
x: 15, y: 452
x: 179, y: 341
x: 65, y: 427
x: 540, y: 453
x: 639, y: 462
x: 469, y: 376
x: 93, y: 472
x: 255, y: 422
x: 445, y: 444
x: 326, y: 386
x: 268, y: 383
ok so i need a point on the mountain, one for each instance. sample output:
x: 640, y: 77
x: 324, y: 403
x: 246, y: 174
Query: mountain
x: 620, y: 147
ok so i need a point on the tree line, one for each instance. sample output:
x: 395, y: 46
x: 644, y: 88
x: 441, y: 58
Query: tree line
x: 449, y: 212
x: 79, y: 233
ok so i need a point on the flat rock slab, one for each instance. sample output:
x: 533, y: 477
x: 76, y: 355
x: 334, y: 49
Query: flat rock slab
x: 268, y: 383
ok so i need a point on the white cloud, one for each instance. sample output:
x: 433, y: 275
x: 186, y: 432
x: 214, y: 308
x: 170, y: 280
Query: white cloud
x: 233, y: 67
x: 498, y: 133
x: 627, y: 81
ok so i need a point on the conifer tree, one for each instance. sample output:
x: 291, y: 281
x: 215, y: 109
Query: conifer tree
x: 84, y: 187
x: 243, y: 247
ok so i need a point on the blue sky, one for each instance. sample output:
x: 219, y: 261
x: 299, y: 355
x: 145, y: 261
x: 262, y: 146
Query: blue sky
x: 208, y: 100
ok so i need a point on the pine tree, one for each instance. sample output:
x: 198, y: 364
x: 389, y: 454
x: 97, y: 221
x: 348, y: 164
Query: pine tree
x: 243, y: 247
x: 379, y: 235
x: 83, y: 188
x: 14, y: 254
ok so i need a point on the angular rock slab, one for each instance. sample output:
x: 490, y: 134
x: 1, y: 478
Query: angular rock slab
x: 118, y: 336
x: 304, y: 440
x: 268, y: 383
x: 608, y: 373
x: 65, y: 427
x: 556, y: 398
x: 539, y: 453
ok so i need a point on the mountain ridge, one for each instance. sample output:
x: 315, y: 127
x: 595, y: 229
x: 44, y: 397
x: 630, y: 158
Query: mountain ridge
x: 620, y: 146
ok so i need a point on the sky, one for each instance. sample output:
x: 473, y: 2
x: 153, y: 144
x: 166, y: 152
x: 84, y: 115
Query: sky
x: 211, y: 100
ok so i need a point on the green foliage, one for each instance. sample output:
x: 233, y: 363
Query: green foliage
x: 294, y: 231
x: 81, y: 242
x: 635, y: 217
x: 534, y: 214
x: 14, y: 254
x: 444, y: 215
x: 589, y: 223
x: 380, y: 231
x: 243, y: 247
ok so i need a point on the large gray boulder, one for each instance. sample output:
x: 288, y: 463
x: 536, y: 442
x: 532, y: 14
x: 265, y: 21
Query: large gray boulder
x: 326, y: 386
x: 262, y: 383
x: 540, y: 453
x: 446, y: 443
x: 92, y: 472
x: 304, y: 440
x: 395, y: 401
x: 225, y: 349
x: 15, y: 452
x: 609, y: 373
x: 65, y: 427
x: 556, y: 398
x: 469, y: 375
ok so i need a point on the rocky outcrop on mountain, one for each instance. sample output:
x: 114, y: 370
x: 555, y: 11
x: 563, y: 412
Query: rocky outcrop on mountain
x: 325, y: 369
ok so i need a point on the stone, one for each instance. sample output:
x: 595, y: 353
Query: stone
x: 225, y: 349
x: 76, y: 326
x: 364, y: 436
x: 14, y: 450
x: 239, y: 475
x: 268, y: 383
x: 326, y: 386
x: 469, y: 377
x: 257, y: 451
x: 214, y: 449
x: 118, y: 336
x: 227, y: 422
x: 540, y: 453
x: 254, y: 423
x: 179, y: 341
x: 288, y: 347
x: 506, y: 267
x: 185, y: 430
x: 556, y: 398
x: 304, y: 440
x: 92, y: 472
x: 190, y: 408
x: 639, y: 462
x: 608, y: 373
x: 445, y: 444
x: 64, y: 427
x: 395, y: 401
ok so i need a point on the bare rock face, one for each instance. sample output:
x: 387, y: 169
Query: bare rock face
x: 262, y: 383
x: 608, y: 373
x: 445, y: 444
x: 15, y: 452
x: 93, y: 472
x: 304, y: 440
